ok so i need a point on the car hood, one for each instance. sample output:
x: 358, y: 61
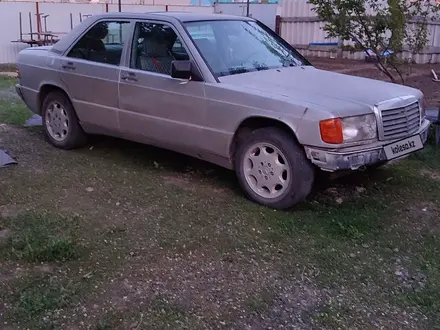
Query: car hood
x: 340, y: 94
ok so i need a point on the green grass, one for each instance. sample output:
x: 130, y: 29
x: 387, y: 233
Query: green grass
x: 7, y: 82
x: 13, y: 112
x: 427, y: 296
x: 40, y: 238
x: 39, y: 297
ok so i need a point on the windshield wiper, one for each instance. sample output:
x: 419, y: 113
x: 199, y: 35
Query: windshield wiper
x: 289, y: 62
x: 237, y: 70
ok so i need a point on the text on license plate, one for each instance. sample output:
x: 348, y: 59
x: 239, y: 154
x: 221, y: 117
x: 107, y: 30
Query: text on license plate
x: 403, y: 147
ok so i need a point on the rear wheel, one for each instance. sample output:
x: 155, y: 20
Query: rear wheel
x: 272, y: 169
x: 60, y: 122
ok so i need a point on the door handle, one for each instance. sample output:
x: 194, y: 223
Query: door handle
x: 69, y: 65
x: 129, y: 76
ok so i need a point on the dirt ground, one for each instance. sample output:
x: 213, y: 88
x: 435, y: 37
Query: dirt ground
x: 417, y: 76
x: 123, y: 236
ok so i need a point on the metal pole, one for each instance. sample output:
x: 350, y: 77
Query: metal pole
x: 21, y: 26
x: 247, y: 8
x: 30, y: 25
x: 45, y: 22
x: 71, y: 21
x: 119, y: 5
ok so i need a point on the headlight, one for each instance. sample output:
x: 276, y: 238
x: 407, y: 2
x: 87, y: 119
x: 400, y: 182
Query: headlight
x: 359, y: 128
x: 349, y: 129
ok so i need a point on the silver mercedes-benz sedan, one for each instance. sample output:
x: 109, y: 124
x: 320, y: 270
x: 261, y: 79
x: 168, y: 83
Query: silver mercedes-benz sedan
x: 225, y: 89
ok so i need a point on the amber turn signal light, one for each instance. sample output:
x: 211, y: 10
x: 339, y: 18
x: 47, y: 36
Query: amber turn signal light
x: 331, y: 131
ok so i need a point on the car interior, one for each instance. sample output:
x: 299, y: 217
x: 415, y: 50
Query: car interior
x: 156, y: 48
x: 92, y: 47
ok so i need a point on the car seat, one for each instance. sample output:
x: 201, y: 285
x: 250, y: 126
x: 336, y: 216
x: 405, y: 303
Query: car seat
x: 155, y: 57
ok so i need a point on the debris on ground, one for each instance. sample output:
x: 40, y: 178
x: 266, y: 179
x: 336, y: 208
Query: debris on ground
x: 5, y: 159
x: 435, y: 76
x: 34, y: 120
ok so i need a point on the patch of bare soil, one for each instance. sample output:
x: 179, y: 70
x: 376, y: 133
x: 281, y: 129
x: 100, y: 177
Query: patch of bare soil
x: 205, y: 290
x: 417, y: 76
x: 431, y: 173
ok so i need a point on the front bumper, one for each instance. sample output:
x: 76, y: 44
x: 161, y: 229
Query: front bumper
x: 355, y: 158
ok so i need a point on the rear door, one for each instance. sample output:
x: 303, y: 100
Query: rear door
x: 90, y: 70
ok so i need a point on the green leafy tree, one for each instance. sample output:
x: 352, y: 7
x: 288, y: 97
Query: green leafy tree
x: 381, y: 28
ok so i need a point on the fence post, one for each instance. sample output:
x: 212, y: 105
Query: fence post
x: 278, y: 25
x: 37, y: 8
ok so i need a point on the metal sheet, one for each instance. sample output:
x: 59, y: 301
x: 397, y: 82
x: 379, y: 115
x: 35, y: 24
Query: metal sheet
x: 264, y: 12
x: 34, y: 120
x: 5, y: 159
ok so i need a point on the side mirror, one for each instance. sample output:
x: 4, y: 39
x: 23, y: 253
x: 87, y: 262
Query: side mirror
x: 182, y: 69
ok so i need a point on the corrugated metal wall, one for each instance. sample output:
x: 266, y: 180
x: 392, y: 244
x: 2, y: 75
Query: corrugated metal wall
x: 299, y: 27
x: 264, y: 12
x: 59, y: 18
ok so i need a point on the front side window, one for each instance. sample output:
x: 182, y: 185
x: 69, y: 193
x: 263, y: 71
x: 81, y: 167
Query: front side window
x: 155, y: 46
x: 233, y: 47
x: 103, y: 43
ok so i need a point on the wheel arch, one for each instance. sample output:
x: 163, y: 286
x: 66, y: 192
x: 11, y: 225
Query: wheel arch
x: 250, y: 124
x: 47, y: 88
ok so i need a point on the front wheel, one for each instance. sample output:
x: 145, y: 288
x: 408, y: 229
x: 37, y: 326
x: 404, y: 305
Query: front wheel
x: 272, y: 169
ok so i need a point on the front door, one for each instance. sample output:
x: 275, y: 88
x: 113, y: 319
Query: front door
x: 90, y: 72
x: 156, y: 108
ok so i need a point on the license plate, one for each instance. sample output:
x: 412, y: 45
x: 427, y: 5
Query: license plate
x: 403, y: 147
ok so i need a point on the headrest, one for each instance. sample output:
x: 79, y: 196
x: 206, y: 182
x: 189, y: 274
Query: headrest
x: 154, y: 49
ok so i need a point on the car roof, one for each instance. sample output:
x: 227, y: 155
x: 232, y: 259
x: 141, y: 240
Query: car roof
x: 64, y: 43
x: 181, y: 16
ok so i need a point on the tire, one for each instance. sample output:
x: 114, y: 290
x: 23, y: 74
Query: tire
x: 58, y: 104
x: 297, y: 181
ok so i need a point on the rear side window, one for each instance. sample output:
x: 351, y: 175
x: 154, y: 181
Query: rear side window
x: 103, y: 43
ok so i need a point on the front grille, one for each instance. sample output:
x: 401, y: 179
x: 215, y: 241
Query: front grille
x: 400, y: 122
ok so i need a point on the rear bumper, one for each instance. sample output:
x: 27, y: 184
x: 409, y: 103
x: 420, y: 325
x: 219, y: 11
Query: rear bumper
x: 29, y: 97
x: 362, y: 156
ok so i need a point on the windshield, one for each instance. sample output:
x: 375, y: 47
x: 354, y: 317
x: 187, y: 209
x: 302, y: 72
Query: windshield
x: 232, y: 47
